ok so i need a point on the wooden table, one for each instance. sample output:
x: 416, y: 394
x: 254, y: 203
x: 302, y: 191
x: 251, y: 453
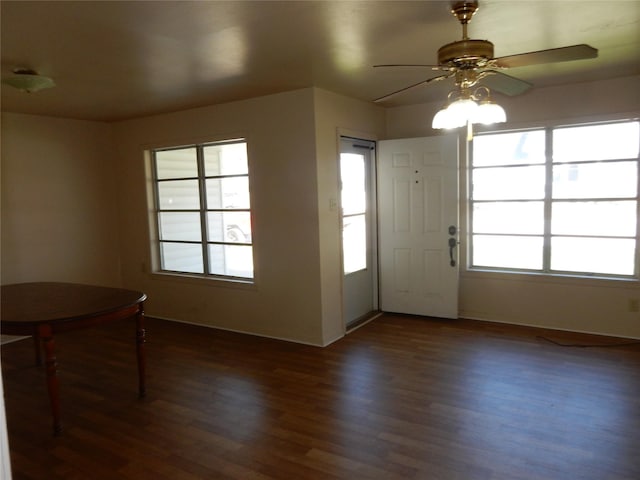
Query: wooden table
x: 45, y: 309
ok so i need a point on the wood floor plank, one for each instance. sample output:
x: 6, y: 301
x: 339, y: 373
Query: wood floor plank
x: 402, y: 397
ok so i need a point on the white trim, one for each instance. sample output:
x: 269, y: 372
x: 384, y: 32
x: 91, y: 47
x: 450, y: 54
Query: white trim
x: 548, y: 127
x: 543, y: 327
x: 362, y: 324
x: 243, y: 332
x: 326, y: 344
x: 557, y: 122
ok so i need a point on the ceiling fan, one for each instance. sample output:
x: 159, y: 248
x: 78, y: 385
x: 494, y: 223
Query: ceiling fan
x: 468, y: 61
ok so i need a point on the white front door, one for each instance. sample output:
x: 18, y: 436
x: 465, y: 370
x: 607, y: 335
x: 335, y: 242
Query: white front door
x: 418, y: 225
x: 357, y: 180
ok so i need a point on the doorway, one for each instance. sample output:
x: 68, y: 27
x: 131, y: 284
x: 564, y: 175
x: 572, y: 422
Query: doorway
x: 359, y: 230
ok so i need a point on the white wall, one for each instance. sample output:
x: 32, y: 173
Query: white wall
x: 67, y: 192
x: 292, y: 140
x: 587, y: 305
x: 285, y: 300
x: 59, y: 207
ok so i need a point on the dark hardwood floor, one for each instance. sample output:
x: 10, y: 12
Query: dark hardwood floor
x: 399, y: 398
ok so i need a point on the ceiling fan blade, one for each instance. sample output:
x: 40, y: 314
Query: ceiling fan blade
x: 402, y: 90
x: 552, y: 55
x: 433, y: 67
x: 506, y: 84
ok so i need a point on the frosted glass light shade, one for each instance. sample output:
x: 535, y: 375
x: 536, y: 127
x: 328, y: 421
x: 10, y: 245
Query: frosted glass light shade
x: 466, y: 111
x: 462, y: 111
x: 28, y: 81
x: 441, y: 119
x: 489, y: 112
x: 457, y: 114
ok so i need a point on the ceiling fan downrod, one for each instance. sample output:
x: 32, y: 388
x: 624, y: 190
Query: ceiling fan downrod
x: 465, y: 53
x: 464, y: 11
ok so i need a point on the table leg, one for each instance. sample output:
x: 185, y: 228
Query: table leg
x: 51, y: 365
x: 140, y: 341
x: 37, y: 345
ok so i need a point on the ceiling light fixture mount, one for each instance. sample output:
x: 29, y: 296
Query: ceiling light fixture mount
x: 475, y: 53
x: 28, y: 80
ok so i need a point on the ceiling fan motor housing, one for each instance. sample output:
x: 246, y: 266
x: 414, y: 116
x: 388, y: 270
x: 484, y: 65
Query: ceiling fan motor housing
x: 466, y: 52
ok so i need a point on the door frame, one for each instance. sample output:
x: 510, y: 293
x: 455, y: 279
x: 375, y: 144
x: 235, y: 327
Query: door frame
x: 371, y: 144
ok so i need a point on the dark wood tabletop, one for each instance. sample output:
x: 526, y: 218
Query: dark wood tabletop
x: 24, y: 305
x: 43, y: 309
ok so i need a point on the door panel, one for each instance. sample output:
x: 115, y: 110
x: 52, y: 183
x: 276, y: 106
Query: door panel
x: 418, y: 203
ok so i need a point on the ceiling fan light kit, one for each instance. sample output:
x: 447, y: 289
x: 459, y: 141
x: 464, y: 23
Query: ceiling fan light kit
x: 490, y: 112
x: 27, y: 80
x: 469, y: 61
x: 468, y: 108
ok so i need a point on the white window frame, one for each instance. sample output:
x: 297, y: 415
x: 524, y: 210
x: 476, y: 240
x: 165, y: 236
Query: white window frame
x: 548, y: 201
x: 204, y: 242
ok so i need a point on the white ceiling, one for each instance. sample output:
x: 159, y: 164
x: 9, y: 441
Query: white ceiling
x: 117, y: 60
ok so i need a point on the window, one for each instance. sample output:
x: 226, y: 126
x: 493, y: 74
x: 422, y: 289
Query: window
x: 557, y: 200
x: 202, y: 208
x: 354, y: 211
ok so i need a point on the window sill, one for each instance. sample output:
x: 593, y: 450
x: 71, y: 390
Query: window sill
x: 548, y: 278
x: 202, y: 280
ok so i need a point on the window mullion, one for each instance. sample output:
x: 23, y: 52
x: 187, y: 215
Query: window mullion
x: 202, y: 187
x: 548, y: 195
x: 156, y: 198
x: 637, y: 259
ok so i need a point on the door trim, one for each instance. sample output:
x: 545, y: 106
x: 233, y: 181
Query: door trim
x: 371, y: 145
